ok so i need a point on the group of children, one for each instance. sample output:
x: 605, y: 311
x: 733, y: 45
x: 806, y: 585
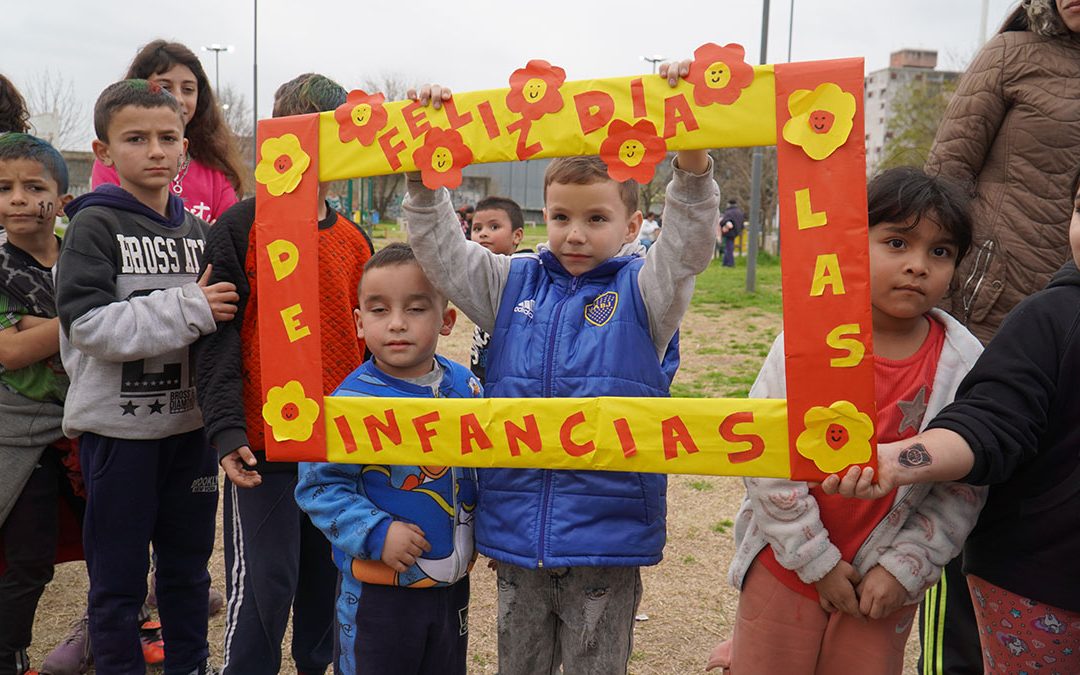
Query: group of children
x: 145, y: 349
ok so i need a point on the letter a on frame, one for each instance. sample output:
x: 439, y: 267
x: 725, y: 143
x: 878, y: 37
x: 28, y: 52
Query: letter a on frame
x: 827, y: 273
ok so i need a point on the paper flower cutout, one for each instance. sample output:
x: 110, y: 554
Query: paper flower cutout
x: 441, y: 158
x: 282, y: 165
x: 632, y: 152
x: 360, y: 117
x: 534, y: 89
x: 835, y: 437
x: 289, y: 412
x: 821, y: 120
x: 719, y: 74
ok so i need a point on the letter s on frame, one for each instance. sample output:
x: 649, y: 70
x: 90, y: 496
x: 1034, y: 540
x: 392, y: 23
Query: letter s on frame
x: 841, y: 338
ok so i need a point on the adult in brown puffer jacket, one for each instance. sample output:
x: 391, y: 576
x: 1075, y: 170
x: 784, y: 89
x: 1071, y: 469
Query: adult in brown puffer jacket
x: 1013, y: 132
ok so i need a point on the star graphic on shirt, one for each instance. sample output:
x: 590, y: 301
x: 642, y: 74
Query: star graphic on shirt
x: 156, y: 407
x: 913, y: 410
x: 129, y: 408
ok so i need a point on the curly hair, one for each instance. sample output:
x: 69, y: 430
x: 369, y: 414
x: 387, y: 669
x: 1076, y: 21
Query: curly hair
x: 13, y: 113
x: 1037, y: 16
x: 211, y: 141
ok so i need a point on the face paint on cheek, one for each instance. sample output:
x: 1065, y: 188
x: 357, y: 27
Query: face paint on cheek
x: 44, y: 210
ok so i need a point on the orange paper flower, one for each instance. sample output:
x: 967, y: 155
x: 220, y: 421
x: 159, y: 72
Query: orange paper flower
x: 360, y: 117
x: 632, y: 152
x: 282, y: 165
x: 835, y: 437
x: 441, y: 158
x: 821, y: 120
x: 534, y: 89
x: 719, y: 74
x: 289, y: 412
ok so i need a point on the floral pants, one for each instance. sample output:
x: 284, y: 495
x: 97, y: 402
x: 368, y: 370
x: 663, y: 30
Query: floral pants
x: 1021, y: 636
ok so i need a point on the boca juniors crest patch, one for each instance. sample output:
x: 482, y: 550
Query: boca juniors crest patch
x: 599, y: 311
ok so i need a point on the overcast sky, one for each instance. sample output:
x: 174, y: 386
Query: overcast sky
x: 468, y: 44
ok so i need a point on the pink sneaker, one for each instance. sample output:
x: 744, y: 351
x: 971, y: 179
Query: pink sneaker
x: 72, y: 656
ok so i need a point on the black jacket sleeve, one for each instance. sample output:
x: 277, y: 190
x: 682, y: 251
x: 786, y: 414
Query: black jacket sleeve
x: 1009, y: 400
x: 219, y: 358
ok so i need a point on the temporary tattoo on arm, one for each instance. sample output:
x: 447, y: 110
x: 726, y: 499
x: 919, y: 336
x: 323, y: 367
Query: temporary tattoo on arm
x: 915, y: 456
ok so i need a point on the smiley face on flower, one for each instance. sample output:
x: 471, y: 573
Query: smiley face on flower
x: 441, y: 158
x: 821, y: 120
x: 289, y: 412
x: 836, y: 437
x: 282, y: 165
x: 361, y: 117
x: 719, y: 74
x: 632, y: 152
x: 534, y: 89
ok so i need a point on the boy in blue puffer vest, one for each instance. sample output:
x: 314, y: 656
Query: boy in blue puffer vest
x: 588, y: 315
x: 402, y: 536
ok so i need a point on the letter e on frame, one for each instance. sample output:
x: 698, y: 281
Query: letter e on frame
x: 840, y: 338
x: 293, y: 328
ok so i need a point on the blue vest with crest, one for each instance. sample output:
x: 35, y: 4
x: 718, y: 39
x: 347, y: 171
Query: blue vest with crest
x: 558, y: 335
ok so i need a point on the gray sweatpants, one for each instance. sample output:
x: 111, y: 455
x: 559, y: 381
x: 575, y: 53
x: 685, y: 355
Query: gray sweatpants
x: 581, y: 618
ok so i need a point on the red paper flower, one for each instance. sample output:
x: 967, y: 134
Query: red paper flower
x: 534, y: 89
x: 360, y: 117
x: 719, y: 74
x: 632, y: 152
x: 441, y: 158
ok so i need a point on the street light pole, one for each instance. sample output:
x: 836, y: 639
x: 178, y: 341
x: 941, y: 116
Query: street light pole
x: 217, y: 49
x: 755, y: 184
x: 255, y: 84
x: 655, y: 60
x: 790, y: 29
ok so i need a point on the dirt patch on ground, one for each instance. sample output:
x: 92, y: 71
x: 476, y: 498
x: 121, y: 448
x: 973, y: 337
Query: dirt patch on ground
x: 687, y: 599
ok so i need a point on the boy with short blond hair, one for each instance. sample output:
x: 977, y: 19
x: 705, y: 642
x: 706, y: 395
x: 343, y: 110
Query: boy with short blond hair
x: 130, y: 304
x: 402, y: 536
x: 34, y: 454
x: 586, y: 316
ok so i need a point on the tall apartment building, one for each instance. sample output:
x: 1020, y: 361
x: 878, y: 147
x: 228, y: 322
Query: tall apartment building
x: 883, y: 87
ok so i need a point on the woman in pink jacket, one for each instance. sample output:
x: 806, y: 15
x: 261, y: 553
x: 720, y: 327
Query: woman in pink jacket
x: 211, y: 174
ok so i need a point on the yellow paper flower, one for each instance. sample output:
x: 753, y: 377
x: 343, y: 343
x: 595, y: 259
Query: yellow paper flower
x: 282, y: 165
x: 821, y: 120
x: 289, y: 412
x: 835, y: 437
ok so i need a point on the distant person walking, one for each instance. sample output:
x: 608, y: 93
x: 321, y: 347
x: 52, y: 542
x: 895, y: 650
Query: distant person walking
x: 1012, y: 132
x: 731, y: 226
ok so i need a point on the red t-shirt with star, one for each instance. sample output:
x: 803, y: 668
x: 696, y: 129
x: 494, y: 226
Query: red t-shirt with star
x: 901, y: 389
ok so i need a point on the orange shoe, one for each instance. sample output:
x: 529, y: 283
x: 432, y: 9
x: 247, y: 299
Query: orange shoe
x: 153, y: 647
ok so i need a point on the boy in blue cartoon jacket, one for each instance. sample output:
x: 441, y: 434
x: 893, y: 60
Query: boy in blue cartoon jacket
x: 402, y: 536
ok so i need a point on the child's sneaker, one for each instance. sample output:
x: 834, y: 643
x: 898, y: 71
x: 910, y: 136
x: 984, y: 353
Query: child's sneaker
x: 72, y: 655
x: 153, y: 647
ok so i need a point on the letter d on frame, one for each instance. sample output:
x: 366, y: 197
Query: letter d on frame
x: 284, y: 256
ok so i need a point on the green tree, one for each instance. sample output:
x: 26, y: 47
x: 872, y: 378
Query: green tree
x: 913, y: 122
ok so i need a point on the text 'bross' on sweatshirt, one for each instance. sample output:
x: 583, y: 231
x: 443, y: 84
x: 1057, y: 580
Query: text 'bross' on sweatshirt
x: 129, y: 307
